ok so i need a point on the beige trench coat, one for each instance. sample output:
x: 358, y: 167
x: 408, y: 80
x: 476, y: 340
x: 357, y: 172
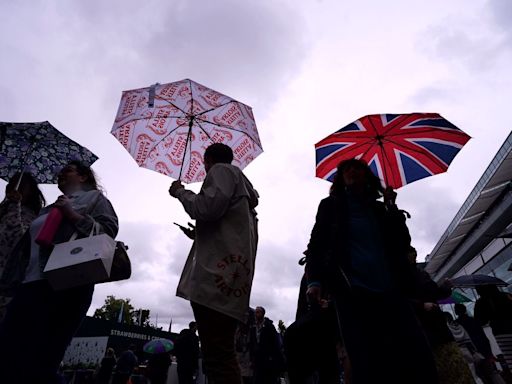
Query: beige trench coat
x: 220, y: 267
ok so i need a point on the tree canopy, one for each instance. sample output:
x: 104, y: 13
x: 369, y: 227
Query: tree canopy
x: 112, y: 308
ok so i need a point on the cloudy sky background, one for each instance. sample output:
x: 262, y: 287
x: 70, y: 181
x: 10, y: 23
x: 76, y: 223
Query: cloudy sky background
x: 306, y: 67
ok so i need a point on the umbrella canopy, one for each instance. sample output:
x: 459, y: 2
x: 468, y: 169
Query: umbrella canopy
x: 38, y: 148
x: 455, y: 298
x: 158, y: 346
x: 399, y: 149
x: 167, y: 127
x: 476, y: 280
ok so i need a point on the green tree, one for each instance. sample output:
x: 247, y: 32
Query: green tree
x: 112, y: 307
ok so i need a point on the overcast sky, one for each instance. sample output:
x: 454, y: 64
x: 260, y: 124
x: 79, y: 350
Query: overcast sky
x: 307, y: 68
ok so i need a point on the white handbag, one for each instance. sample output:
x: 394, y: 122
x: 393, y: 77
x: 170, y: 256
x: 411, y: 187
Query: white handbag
x: 80, y: 261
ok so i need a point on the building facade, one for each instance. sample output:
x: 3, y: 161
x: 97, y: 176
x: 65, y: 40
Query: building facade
x: 478, y: 240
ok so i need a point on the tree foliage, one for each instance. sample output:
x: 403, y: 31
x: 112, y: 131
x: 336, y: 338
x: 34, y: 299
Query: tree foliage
x: 111, y: 310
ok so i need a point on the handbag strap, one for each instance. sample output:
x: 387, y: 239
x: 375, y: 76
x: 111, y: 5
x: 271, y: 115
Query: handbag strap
x: 95, y: 230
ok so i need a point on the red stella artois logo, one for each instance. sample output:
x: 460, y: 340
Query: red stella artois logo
x: 169, y: 91
x: 195, y: 106
x: 129, y: 103
x: 234, y: 276
x: 123, y: 133
x: 242, y: 149
x: 229, y: 117
x: 211, y: 98
x: 167, y: 142
x: 178, y: 149
x: 195, y: 166
x: 159, y: 121
x: 162, y: 168
x: 143, y: 147
x: 222, y: 136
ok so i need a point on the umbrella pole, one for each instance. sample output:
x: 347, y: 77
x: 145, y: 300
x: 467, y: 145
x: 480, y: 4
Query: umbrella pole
x: 24, y: 161
x: 190, y: 124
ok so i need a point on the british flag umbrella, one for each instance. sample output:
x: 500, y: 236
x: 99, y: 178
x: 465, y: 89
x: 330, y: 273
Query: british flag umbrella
x: 167, y: 127
x: 399, y: 148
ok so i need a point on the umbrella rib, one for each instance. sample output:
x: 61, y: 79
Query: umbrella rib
x: 191, y: 98
x: 233, y: 129
x: 352, y: 148
x: 409, y: 146
x: 163, y: 138
x: 419, y: 131
x: 214, y: 108
x: 145, y: 118
x: 384, y: 168
x: 202, y: 129
x: 373, y: 126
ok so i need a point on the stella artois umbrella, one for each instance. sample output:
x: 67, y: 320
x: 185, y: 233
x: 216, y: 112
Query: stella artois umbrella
x: 167, y: 127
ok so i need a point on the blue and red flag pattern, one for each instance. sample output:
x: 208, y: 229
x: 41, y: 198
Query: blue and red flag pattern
x: 399, y: 148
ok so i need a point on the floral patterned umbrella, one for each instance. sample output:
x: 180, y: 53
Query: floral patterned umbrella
x: 38, y: 148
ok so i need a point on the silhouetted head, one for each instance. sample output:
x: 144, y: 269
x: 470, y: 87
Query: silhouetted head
x: 192, y: 326
x: 31, y: 195
x: 487, y: 290
x: 356, y: 175
x: 412, y: 255
x: 460, y: 309
x: 259, y: 314
x: 110, y: 352
x: 76, y: 176
x: 217, y: 153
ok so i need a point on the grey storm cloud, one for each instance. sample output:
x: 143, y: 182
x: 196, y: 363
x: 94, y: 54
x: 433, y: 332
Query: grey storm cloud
x: 239, y: 45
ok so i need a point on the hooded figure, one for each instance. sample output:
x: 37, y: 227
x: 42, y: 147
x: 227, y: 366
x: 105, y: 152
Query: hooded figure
x: 217, y: 277
x: 220, y: 267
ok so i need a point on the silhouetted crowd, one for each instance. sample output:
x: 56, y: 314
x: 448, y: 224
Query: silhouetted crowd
x: 366, y: 313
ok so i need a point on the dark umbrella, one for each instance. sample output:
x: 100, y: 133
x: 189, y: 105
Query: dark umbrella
x: 477, y: 280
x: 38, y: 148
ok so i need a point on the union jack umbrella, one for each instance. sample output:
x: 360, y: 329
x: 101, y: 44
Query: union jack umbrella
x: 399, y: 149
x: 167, y: 127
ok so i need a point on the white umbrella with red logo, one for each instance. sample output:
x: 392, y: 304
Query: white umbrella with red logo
x: 167, y: 127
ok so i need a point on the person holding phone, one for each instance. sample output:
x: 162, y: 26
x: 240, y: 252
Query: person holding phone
x: 217, y: 276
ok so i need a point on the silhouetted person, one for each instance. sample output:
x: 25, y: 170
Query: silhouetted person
x: 186, y: 350
x: 265, y: 348
x: 158, y: 367
x: 19, y: 208
x: 38, y: 314
x: 357, y: 254
x: 495, y: 307
x: 451, y: 365
x: 125, y: 366
x: 217, y: 277
x: 474, y: 330
x: 314, y: 329
x: 106, y: 366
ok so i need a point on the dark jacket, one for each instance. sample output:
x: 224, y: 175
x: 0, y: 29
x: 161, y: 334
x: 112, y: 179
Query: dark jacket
x: 266, y: 352
x: 186, y: 349
x: 433, y: 322
x: 495, y: 309
x: 476, y: 333
x: 328, y: 257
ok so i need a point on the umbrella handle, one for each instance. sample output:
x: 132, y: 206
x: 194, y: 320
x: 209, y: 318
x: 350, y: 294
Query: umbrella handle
x: 189, y: 133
